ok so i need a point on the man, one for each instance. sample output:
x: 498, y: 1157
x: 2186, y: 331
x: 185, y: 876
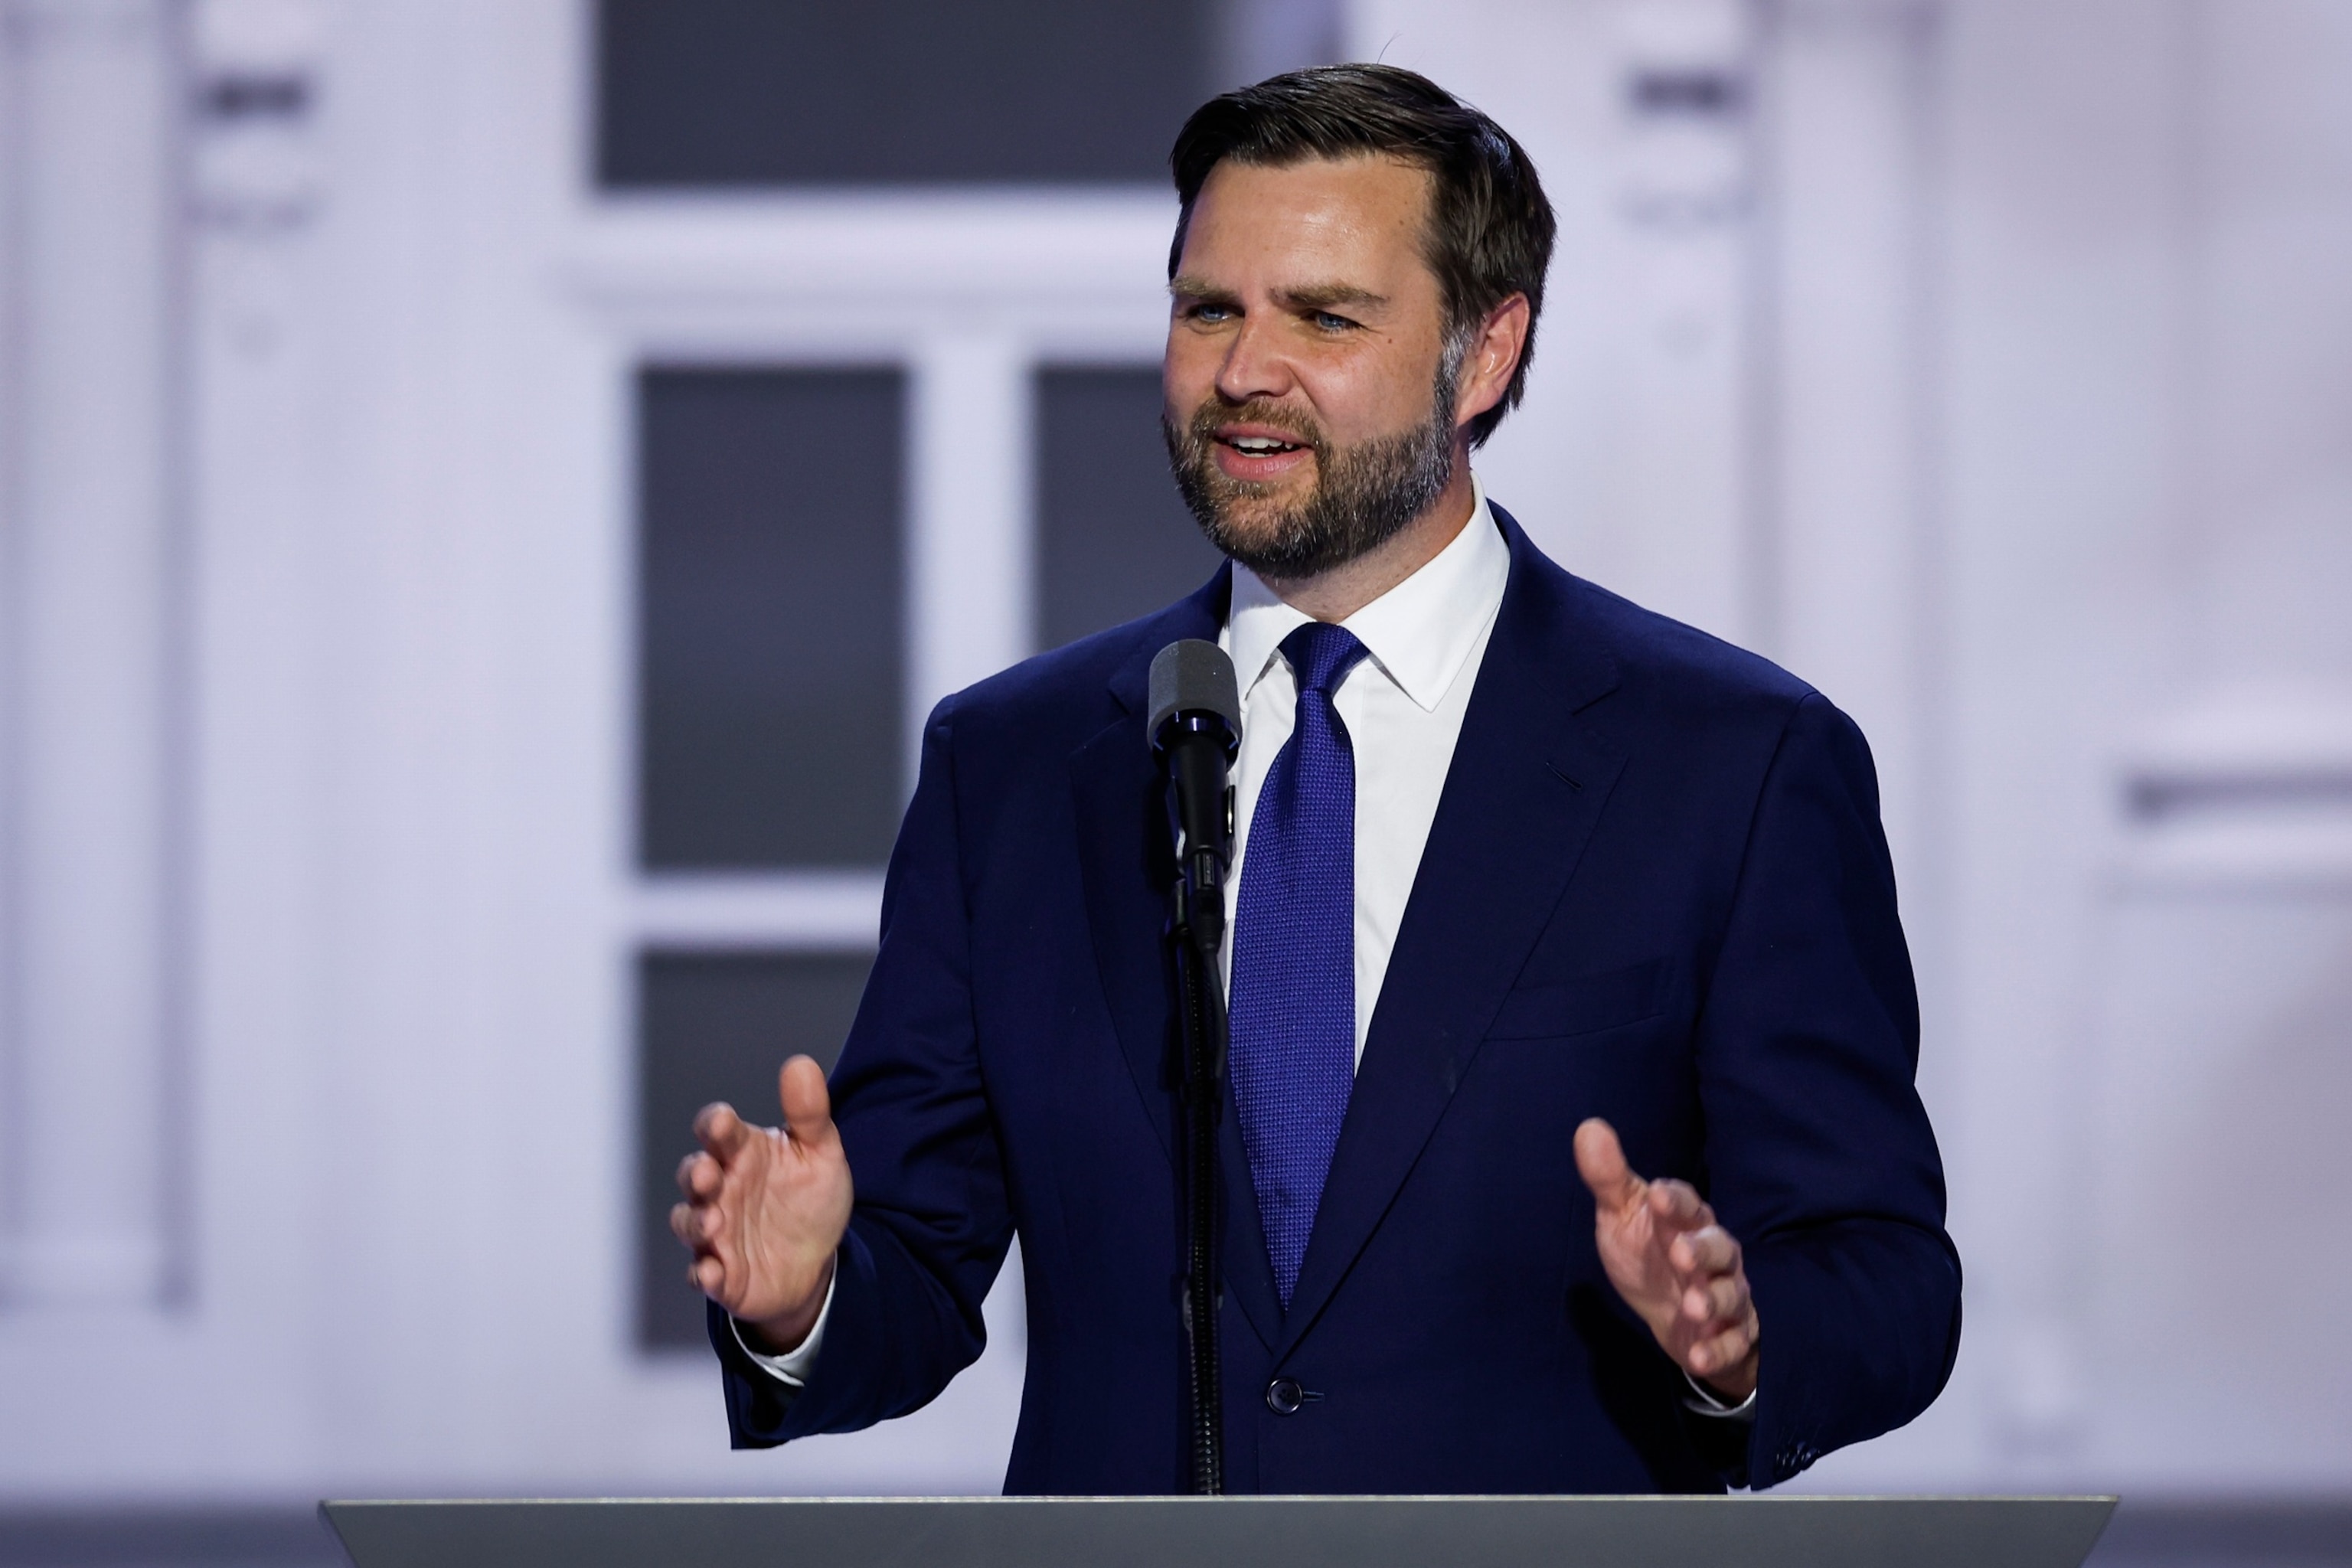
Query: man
x: 1536, y: 890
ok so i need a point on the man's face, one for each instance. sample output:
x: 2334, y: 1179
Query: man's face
x: 1309, y: 396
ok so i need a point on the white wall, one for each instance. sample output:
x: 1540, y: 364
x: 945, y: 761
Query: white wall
x: 1987, y: 368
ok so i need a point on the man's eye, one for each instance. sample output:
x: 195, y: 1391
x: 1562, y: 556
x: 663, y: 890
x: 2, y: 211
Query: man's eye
x: 1212, y: 313
x: 1328, y: 322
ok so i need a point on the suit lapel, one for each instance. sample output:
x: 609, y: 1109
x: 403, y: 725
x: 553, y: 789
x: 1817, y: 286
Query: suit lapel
x: 1525, y: 789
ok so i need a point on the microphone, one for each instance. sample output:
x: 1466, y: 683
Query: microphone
x: 1196, y: 730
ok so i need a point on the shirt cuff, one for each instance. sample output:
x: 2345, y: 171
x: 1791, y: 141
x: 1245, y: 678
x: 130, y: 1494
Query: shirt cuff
x: 792, y: 1366
x: 1704, y: 1401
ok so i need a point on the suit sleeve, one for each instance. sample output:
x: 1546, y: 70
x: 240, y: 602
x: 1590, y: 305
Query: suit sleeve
x: 931, y: 1222
x: 1819, y: 1155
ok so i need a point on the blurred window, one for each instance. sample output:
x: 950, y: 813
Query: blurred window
x: 770, y: 582
x: 781, y: 92
x: 718, y: 1027
x: 1114, y: 539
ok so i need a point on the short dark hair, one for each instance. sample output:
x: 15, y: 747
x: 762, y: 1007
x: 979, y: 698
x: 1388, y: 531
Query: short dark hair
x: 1490, y: 227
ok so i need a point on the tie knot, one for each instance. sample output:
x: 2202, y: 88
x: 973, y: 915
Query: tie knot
x: 1321, y: 655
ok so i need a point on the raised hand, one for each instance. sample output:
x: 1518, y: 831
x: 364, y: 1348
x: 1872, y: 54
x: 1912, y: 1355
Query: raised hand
x: 1674, y: 1264
x: 765, y: 1208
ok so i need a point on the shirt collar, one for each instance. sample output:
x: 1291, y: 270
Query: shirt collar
x: 1420, y: 633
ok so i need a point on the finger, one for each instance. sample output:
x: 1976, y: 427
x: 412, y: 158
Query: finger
x: 1676, y: 1205
x: 808, y: 1107
x: 1719, y: 1301
x: 1707, y: 1250
x: 1723, y: 1350
x: 699, y: 1177
x: 720, y: 1131
x: 692, y: 1225
x: 709, y: 1277
x: 1601, y: 1161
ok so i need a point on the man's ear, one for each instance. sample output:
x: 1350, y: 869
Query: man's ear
x: 1493, y: 358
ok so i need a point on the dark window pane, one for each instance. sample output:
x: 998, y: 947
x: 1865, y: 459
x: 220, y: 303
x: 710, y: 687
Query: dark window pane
x: 738, y: 92
x: 1114, y: 540
x: 769, y: 627
x: 716, y: 1026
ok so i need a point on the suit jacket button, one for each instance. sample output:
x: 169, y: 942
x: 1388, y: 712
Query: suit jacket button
x: 1284, y: 1396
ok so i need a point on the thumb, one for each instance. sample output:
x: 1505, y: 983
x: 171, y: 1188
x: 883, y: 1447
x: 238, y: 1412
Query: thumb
x: 1601, y: 1161
x: 808, y: 1106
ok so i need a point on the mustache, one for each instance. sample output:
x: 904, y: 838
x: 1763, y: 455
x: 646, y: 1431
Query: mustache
x: 1296, y: 428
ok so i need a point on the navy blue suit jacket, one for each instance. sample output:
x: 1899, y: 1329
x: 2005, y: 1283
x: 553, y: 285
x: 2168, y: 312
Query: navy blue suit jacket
x: 1655, y: 890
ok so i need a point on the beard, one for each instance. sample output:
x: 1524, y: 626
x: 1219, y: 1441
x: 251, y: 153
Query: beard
x: 1363, y: 495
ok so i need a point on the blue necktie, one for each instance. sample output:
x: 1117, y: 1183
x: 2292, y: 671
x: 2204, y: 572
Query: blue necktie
x: 1294, y: 988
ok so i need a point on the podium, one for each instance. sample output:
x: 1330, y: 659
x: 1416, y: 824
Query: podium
x: 1234, y: 1532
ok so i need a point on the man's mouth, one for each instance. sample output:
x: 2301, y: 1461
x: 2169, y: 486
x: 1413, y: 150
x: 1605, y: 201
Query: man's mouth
x: 1262, y: 453
x: 1250, y: 447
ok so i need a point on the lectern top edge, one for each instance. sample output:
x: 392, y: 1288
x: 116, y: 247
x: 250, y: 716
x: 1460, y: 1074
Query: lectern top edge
x: 1676, y: 1498
x: 1184, y: 1531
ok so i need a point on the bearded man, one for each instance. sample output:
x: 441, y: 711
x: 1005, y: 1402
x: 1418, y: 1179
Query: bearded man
x: 1537, y: 891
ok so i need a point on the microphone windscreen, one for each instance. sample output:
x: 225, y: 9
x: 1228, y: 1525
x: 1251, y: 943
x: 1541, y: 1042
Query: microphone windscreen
x: 1193, y: 677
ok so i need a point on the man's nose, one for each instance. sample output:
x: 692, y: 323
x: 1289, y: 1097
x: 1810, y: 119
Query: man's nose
x: 1253, y: 366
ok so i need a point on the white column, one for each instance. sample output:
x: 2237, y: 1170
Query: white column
x: 969, y: 596
x: 89, y: 569
x: 1849, y: 604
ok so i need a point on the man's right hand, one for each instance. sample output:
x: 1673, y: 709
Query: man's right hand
x: 765, y: 1209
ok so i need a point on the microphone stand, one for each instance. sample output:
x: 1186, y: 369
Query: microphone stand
x: 1197, y: 932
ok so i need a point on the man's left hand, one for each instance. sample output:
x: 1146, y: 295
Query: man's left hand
x: 1674, y: 1264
